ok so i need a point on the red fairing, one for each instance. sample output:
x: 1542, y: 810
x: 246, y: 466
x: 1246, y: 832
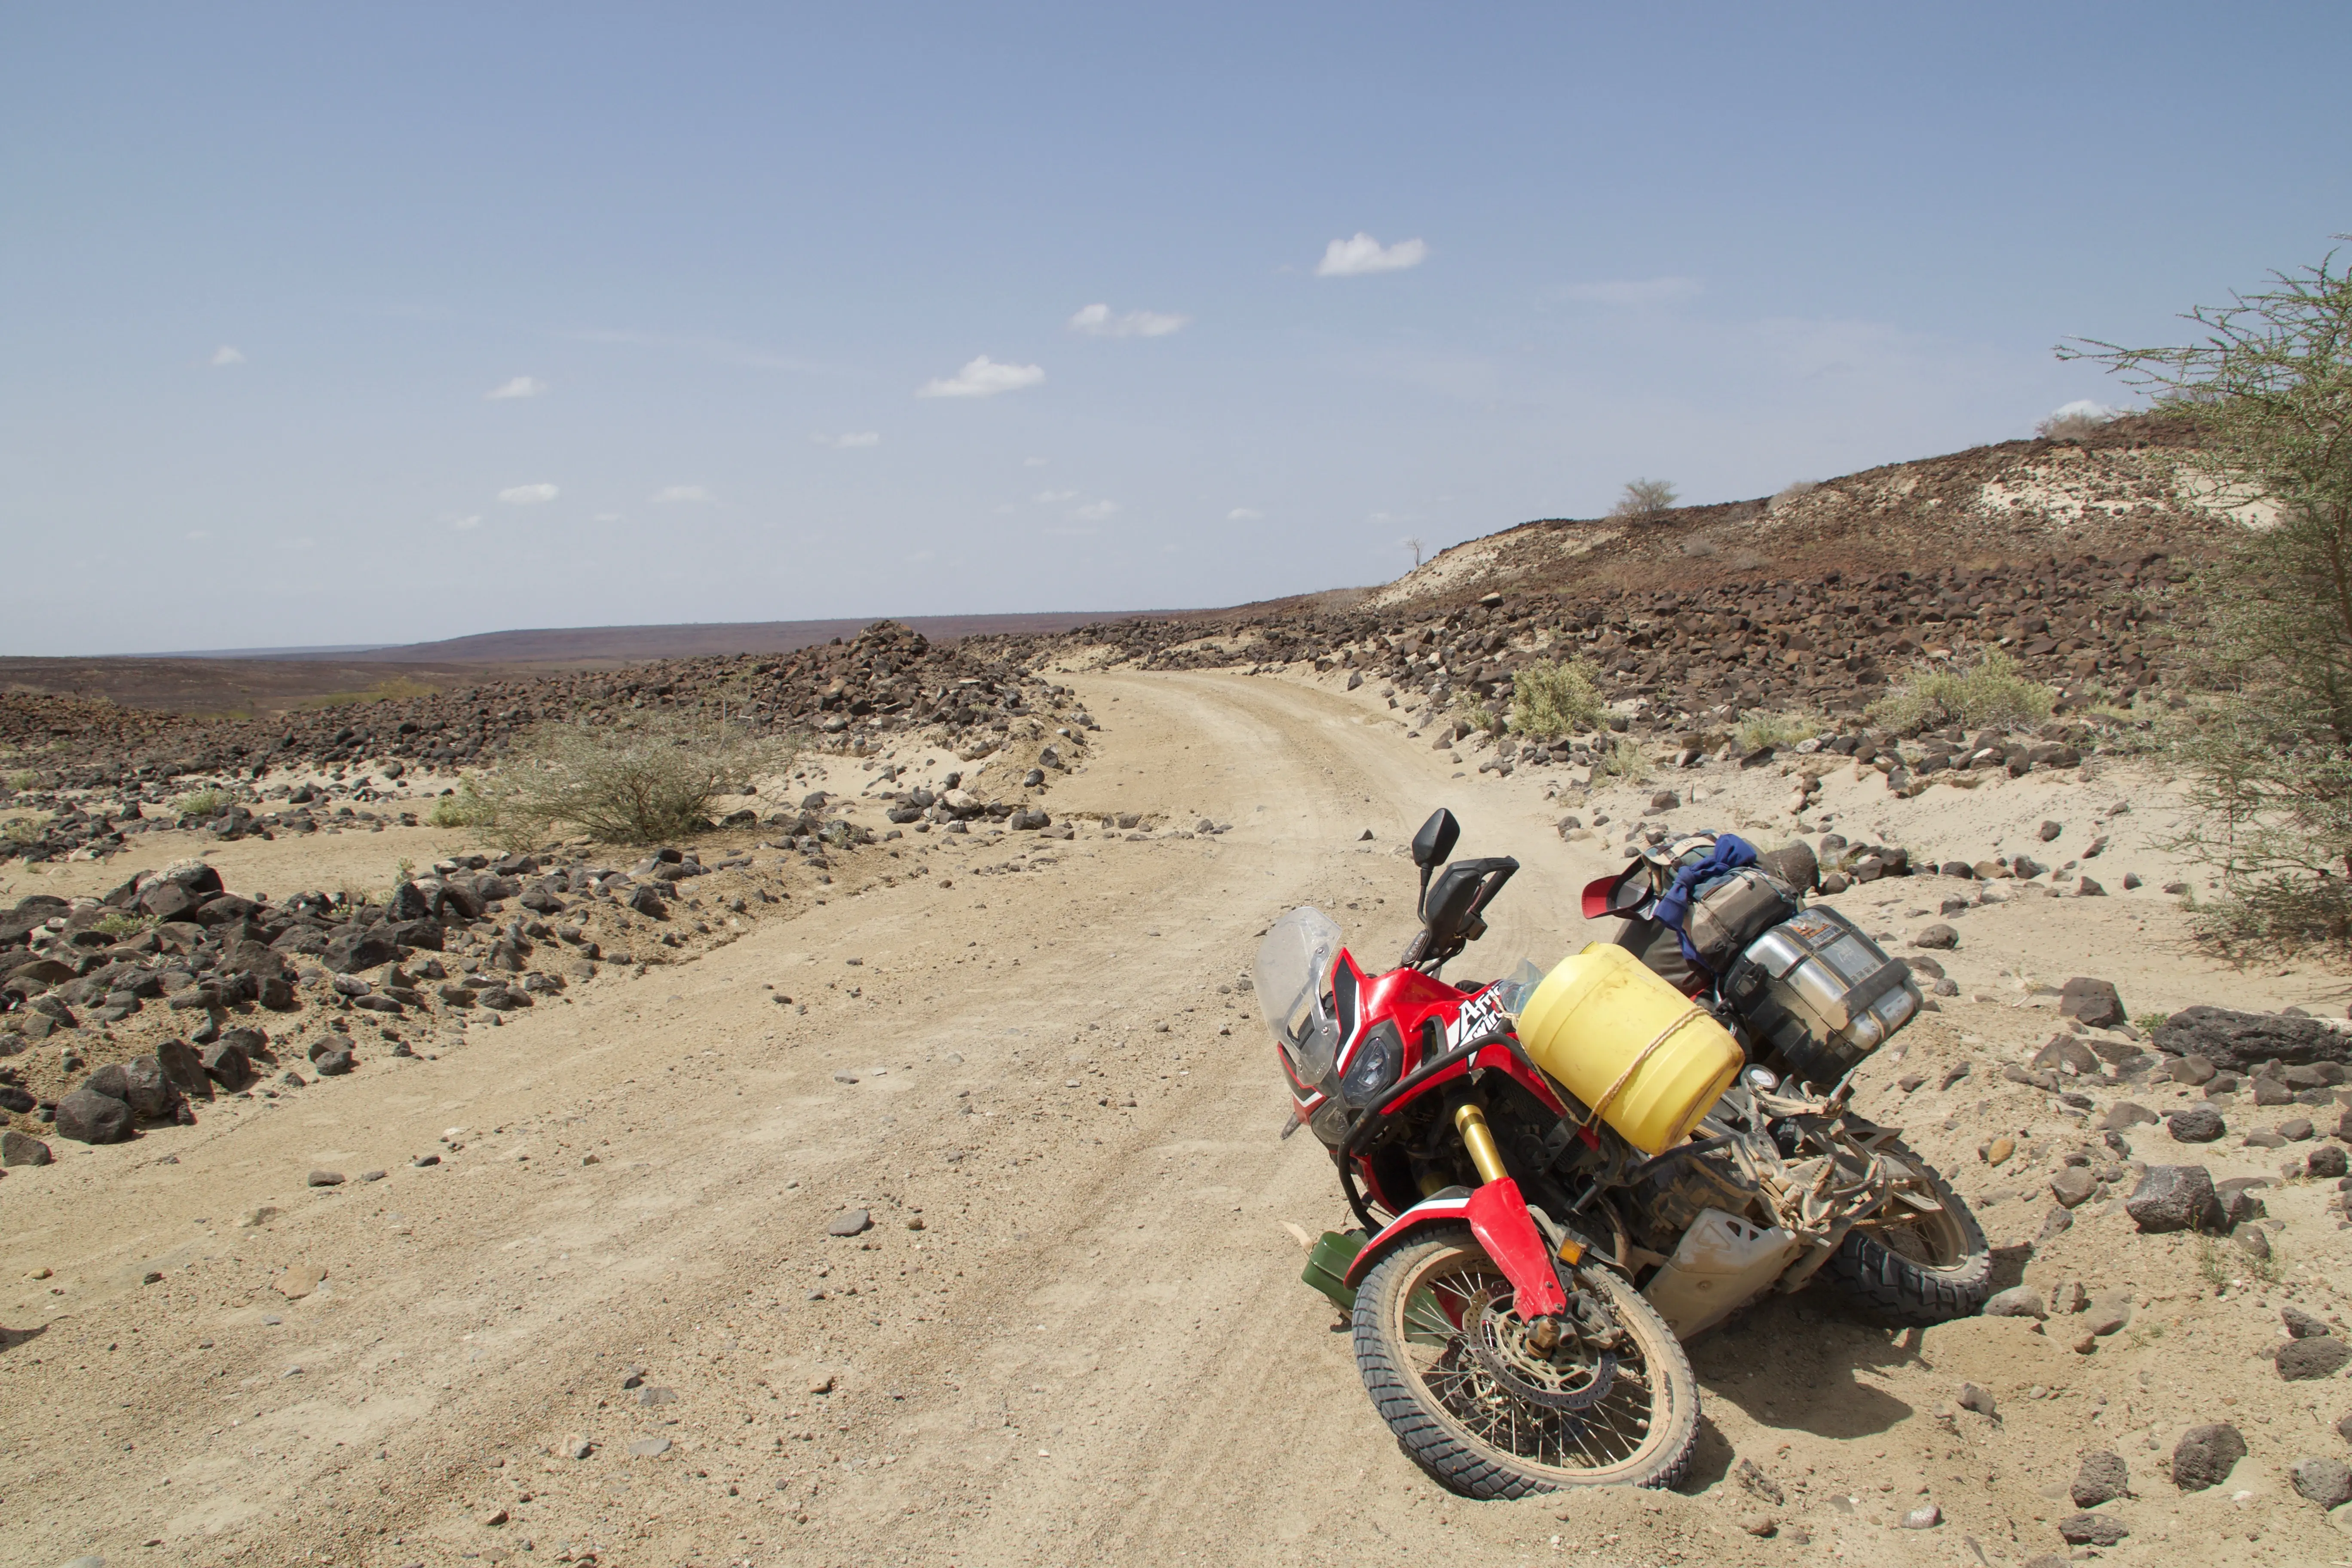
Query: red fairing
x: 1426, y: 1212
x: 1500, y: 1219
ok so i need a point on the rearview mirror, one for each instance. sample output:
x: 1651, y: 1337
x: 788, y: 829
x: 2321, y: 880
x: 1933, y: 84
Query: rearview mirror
x: 1435, y: 840
x: 1431, y: 845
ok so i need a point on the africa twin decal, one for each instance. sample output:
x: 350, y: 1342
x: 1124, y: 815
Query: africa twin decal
x: 1478, y: 1015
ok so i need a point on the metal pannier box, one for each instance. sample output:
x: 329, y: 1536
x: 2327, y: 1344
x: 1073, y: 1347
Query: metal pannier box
x: 1821, y: 994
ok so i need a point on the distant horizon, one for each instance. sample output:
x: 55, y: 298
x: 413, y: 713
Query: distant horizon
x: 1080, y: 618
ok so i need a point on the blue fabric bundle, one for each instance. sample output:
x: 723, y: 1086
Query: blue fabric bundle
x: 1731, y: 853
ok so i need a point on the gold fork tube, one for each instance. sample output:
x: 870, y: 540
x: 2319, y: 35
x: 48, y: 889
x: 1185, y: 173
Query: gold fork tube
x: 1471, y: 1122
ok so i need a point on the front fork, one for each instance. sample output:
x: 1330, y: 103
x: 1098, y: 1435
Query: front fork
x: 1500, y: 1219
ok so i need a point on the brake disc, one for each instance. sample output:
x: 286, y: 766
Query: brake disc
x: 1498, y: 1339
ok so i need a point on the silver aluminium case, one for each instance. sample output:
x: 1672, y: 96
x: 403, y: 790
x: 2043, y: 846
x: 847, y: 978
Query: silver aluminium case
x: 1820, y: 976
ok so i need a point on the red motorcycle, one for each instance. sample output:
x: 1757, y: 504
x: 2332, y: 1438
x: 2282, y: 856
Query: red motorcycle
x: 1559, y: 1178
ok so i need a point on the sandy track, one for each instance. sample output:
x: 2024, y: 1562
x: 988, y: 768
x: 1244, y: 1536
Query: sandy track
x: 1096, y: 1347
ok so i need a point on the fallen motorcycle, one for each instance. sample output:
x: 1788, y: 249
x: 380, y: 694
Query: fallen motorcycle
x: 1560, y: 1177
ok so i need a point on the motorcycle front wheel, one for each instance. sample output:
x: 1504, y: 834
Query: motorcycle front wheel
x: 1450, y: 1371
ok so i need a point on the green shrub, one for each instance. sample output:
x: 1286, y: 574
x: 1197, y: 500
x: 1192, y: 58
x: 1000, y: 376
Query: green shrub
x: 1623, y: 759
x: 23, y: 829
x: 645, y: 782
x: 1989, y: 690
x: 24, y: 779
x: 1758, y: 731
x: 203, y: 803
x: 1553, y: 698
x: 120, y: 923
x: 464, y: 807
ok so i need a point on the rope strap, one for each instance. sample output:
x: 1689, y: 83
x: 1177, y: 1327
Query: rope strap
x: 1614, y: 1089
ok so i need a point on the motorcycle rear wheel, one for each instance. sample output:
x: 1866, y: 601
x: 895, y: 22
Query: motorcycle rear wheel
x: 1928, y: 1271
x: 1474, y: 1435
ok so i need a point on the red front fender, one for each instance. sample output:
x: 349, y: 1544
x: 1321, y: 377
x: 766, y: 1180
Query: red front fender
x: 1498, y: 1218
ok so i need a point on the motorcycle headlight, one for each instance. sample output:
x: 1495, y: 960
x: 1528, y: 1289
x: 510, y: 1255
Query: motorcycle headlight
x: 1374, y: 1067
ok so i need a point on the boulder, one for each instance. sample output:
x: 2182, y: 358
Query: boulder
x: 87, y: 1116
x: 1796, y: 865
x: 2073, y: 1186
x: 22, y: 1149
x: 2103, y: 1478
x: 183, y: 1068
x: 2017, y: 1301
x: 407, y: 902
x: 2302, y: 1325
x: 2175, y: 1197
x: 148, y: 1090
x: 227, y: 1064
x: 351, y: 949
x: 2091, y: 1530
x: 2238, y: 1042
x: 2305, y: 1360
x: 2197, y: 1124
x: 2323, y: 1478
x: 2095, y: 1002
x: 2205, y: 1455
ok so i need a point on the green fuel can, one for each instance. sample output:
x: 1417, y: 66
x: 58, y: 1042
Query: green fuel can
x: 1327, y: 1265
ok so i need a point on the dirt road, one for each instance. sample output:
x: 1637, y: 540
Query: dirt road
x: 1074, y: 1332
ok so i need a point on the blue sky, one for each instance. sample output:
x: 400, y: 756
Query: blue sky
x: 269, y: 269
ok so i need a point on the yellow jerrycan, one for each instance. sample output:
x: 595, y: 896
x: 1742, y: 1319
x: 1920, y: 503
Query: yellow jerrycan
x: 1641, y: 1055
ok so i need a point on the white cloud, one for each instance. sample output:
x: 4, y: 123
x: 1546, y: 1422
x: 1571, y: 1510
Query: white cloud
x: 227, y: 355
x: 1244, y: 514
x: 521, y: 386
x: 1097, y: 322
x: 466, y: 522
x: 849, y: 438
x: 1094, y: 511
x: 682, y: 494
x: 983, y: 377
x: 1354, y: 257
x: 1048, y: 498
x: 528, y: 495
x: 1634, y: 291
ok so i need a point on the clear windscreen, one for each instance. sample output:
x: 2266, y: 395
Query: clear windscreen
x: 1293, y: 969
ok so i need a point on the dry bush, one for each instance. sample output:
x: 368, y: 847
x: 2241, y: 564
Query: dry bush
x: 1643, y: 498
x: 203, y: 803
x: 1990, y: 690
x: 1758, y: 731
x: 1795, y: 489
x: 2073, y: 422
x: 1623, y: 759
x: 647, y: 782
x: 1550, y: 699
